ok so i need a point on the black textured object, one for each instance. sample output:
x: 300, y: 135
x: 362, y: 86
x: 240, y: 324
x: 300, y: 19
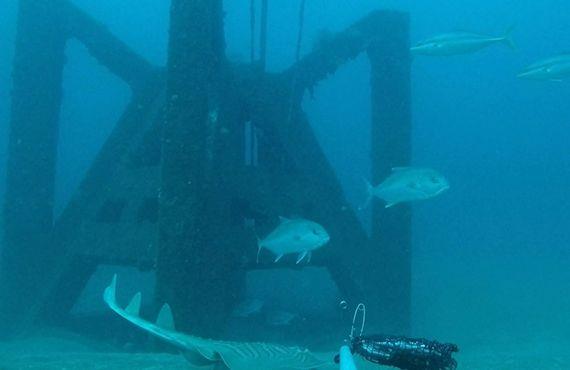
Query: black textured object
x: 405, y: 353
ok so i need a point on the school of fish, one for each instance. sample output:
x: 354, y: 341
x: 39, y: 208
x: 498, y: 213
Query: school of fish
x: 556, y: 68
x: 406, y: 184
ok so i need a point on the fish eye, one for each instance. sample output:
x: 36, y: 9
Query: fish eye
x: 435, y: 180
x: 315, y: 231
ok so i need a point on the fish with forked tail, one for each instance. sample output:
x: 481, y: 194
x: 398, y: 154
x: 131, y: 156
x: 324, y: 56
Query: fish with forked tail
x: 280, y: 318
x: 552, y: 69
x: 247, y: 308
x: 407, y: 184
x: 297, y: 235
x: 457, y: 43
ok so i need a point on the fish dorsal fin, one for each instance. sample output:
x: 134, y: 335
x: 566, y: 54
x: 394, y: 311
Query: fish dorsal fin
x: 134, y: 306
x: 398, y: 169
x: 165, y: 319
x: 111, y: 291
x: 284, y: 219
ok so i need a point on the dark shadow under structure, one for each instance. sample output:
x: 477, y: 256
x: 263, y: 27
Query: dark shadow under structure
x: 172, y: 187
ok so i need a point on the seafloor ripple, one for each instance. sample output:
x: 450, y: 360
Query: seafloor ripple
x: 68, y: 354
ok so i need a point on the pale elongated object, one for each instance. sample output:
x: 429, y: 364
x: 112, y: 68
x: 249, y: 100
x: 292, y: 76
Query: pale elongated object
x: 215, y: 354
x: 456, y: 43
x: 346, y: 359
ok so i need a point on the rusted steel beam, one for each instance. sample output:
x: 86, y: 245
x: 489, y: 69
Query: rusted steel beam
x: 385, y: 36
x: 32, y: 151
x: 299, y: 180
x: 391, y: 143
x: 76, y: 235
x: 334, y: 50
x: 198, y: 264
x: 113, y: 53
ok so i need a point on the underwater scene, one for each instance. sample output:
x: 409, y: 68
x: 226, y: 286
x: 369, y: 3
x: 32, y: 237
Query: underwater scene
x: 284, y: 184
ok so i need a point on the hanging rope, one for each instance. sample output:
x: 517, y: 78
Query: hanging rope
x: 263, y: 35
x: 300, y: 34
x: 252, y: 30
x: 294, y: 91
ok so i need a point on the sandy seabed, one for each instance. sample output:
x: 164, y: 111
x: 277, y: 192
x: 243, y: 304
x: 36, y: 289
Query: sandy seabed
x: 69, y: 353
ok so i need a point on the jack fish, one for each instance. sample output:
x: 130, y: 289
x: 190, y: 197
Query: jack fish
x: 407, y: 184
x: 248, y: 308
x: 456, y: 43
x: 298, y: 236
x: 552, y: 69
x: 280, y: 318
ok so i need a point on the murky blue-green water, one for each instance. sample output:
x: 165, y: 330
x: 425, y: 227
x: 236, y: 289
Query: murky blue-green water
x: 490, y: 254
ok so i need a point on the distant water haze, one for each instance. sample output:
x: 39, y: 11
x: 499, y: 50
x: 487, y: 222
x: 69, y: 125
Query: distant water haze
x: 490, y: 257
x: 7, y: 30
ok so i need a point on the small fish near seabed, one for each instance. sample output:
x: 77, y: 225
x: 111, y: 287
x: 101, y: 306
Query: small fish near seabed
x: 406, y: 184
x: 297, y: 236
x: 248, y: 308
x: 457, y: 43
x: 552, y: 69
x: 280, y: 318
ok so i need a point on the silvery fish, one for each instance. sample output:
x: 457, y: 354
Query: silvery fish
x: 551, y: 69
x: 456, y: 43
x: 248, y: 308
x: 280, y: 318
x: 407, y: 184
x: 294, y: 236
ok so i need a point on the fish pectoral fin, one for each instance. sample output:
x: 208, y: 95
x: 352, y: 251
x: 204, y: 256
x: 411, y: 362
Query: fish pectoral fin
x: 302, y: 256
x: 277, y: 258
x: 283, y: 219
x: 297, y: 238
x: 196, y: 359
x: 389, y: 205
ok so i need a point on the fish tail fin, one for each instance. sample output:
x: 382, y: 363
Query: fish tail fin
x: 508, y: 38
x: 369, y: 195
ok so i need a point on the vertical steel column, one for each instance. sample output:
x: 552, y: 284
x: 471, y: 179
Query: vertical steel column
x: 28, y: 209
x: 391, y: 147
x: 195, y: 268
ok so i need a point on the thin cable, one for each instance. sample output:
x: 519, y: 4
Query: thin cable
x: 252, y: 29
x: 263, y: 35
x: 297, y: 57
x: 301, y: 26
x: 360, y: 308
